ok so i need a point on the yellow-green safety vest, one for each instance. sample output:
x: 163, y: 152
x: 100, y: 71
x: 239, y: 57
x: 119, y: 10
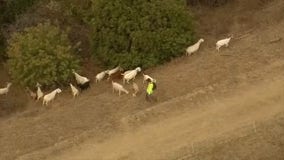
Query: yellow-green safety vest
x: 150, y: 88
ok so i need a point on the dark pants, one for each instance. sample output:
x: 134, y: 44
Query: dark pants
x: 150, y: 98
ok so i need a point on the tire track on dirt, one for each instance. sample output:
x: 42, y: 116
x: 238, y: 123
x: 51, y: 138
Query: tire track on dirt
x: 164, y: 138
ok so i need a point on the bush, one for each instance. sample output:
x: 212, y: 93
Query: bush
x: 138, y: 32
x: 78, y: 9
x: 41, y: 54
x: 2, y: 47
x: 12, y: 8
x: 213, y: 3
x: 9, y: 10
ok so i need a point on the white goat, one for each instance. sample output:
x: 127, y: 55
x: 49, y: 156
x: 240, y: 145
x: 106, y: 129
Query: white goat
x: 145, y: 77
x: 118, y: 87
x: 80, y: 79
x: 31, y: 93
x: 82, y: 82
x: 5, y: 90
x: 74, y: 90
x: 39, y: 93
x: 101, y: 75
x: 126, y: 72
x: 191, y: 49
x: 135, y: 88
x: 223, y: 42
x: 113, y: 71
x: 49, y: 97
x: 131, y: 75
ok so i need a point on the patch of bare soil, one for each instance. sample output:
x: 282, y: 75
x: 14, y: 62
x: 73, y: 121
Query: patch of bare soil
x: 243, y: 118
x: 15, y: 101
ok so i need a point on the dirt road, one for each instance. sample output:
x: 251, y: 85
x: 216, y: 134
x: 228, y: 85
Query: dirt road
x: 226, y: 105
x: 237, y: 115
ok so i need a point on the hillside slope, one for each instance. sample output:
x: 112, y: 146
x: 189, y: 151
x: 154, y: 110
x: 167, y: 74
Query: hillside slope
x: 243, y: 118
x: 209, y: 104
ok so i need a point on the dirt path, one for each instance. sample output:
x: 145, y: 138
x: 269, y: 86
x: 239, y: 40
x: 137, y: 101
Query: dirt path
x: 204, y: 98
x: 164, y: 139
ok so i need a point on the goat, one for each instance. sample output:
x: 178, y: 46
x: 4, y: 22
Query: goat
x: 4, y: 91
x: 145, y: 77
x: 49, y: 97
x: 32, y: 94
x: 126, y: 72
x: 131, y: 75
x: 191, y: 49
x: 101, y: 75
x: 135, y: 88
x: 74, y: 90
x: 113, y: 71
x: 82, y: 82
x: 39, y: 93
x: 223, y: 42
x: 118, y: 87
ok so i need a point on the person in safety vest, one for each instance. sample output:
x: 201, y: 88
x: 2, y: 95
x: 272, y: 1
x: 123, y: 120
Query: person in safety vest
x: 150, y: 89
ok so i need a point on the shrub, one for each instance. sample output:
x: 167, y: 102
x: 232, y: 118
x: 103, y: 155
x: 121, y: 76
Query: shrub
x: 41, y: 54
x: 2, y: 47
x: 207, y: 2
x: 78, y: 9
x: 138, y: 32
x: 9, y: 10
x: 12, y: 8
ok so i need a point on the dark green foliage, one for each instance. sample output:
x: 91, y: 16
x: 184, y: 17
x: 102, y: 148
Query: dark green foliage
x: 11, y: 8
x: 2, y: 47
x: 78, y: 9
x: 140, y: 32
x: 41, y: 54
x: 206, y: 2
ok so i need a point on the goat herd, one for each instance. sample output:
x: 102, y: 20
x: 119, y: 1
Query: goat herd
x: 84, y: 83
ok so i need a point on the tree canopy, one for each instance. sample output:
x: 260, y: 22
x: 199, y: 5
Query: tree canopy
x: 140, y: 32
x: 41, y: 54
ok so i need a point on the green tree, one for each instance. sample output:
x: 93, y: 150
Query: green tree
x: 78, y: 9
x: 206, y: 2
x: 41, y: 54
x: 12, y: 8
x: 9, y: 10
x: 140, y: 32
x: 2, y: 47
